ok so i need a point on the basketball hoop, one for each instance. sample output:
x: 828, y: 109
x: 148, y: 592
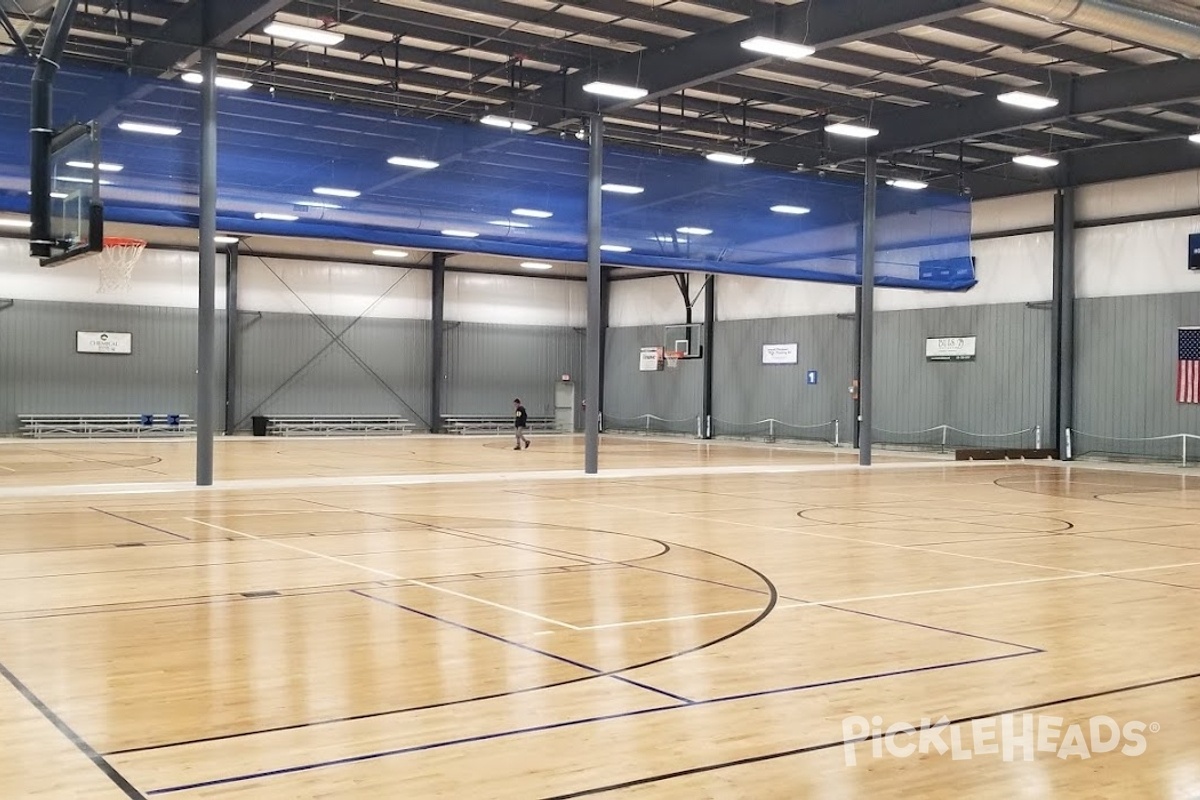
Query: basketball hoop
x: 672, y: 357
x: 116, y: 262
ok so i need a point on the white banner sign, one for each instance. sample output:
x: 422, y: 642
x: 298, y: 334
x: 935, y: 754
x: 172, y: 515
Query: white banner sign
x: 780, y: 354
x: 103, y: 342
x: 651, y: 360
x: 950, y: 348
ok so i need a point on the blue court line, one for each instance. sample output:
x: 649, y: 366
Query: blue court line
x: 109, y: 771
x: 568, y: 724
x: 527, y: 648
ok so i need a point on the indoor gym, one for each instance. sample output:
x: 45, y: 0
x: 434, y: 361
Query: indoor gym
x: 936, y: 536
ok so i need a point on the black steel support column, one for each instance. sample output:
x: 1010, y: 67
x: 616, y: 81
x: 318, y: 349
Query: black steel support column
x: 594, y: 355
x: 858, y: 295
x: 437, y: 343
x: 866, y: 317
x: 41, y: 126
x: 206, y: 318
x: 710, y: 329
x: 605, y: 295
x: 233, y: 337
x: 1062, y: 356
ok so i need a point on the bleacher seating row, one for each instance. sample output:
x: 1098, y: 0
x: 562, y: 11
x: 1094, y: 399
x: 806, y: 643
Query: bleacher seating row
x: 96, y: 426
x: 336, y: 425
x: 490, y: 423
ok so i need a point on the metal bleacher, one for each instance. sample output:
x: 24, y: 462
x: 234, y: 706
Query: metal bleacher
x: 336, y: 425
x: 98, y: 426
x: 490, y: 423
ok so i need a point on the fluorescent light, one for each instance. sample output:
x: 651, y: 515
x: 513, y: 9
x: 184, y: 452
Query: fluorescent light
x: 1039, y: 162
x: 462, y: 234
x: 389, y: 253
x: 621, y: 188
x: 416, y: 163
x: 730, y: 158
x: 693, y: 231
x: 536, y: 265
x: 790, y: 209
x: 328, y: 192
x: 146, y: 127
x: 778, y: 47
x: 317, y: 204
x: 663, y: 239
x: 225, y: 239
x: 89, y: 165
x: 58, y: 195
x: 617, y: 90
x: 505, y: 122
x: 504, y: 223
x: 73, y: 179
x: 848, y: 129
x: 532, y: 212
x: 1194, y: 138
x: 299, y: 33
x: 276, y: 217
x: 1038, y: 102
x: 16, y: 223
x: 615, y: 248
x: 222, y: 81
x: 907, y: 183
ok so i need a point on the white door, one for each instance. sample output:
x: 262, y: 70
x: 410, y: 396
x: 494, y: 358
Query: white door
x: 564, y: 406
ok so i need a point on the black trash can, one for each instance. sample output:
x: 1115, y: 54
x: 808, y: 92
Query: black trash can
x: 259, y: 424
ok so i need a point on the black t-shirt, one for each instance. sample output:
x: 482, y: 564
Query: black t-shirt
x: 520, y: 418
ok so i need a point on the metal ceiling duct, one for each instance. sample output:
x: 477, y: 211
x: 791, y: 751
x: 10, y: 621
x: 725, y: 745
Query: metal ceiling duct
x: 1162, y: 24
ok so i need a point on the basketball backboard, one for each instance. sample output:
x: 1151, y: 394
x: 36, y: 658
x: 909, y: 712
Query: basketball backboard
x: 685, y: 338
x: 76, y: 177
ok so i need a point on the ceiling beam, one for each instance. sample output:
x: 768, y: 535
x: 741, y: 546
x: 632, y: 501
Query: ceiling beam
x: 717, y: 53
x: 1165, y: 83
x: 202, y: 24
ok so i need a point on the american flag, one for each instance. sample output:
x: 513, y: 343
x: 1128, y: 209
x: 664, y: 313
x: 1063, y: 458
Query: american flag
x: 1188, y: 385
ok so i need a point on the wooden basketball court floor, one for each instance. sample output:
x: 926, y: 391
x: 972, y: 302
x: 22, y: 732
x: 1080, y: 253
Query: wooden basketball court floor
x: 444, y: 617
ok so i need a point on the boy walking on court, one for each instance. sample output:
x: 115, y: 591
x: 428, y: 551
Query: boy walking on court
x: 520, y: 422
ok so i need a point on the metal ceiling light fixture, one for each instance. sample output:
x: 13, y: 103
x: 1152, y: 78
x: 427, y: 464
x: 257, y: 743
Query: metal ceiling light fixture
x: 1163, y: 24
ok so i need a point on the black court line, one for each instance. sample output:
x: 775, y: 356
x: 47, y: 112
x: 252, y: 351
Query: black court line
x: 772, y: 599
x: 109, y: 771
x: 142, y: 524
x: 494, y: 637
x: 829, y: 745
x: 571, y: 724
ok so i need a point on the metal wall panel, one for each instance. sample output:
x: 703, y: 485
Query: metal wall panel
x: 1005, y: 389
x: 673, y: 396
x: 1126, y: 357
x: 745, y: 390
x: 487, y: 366
x: 40, y: 372
x: 290, y: 364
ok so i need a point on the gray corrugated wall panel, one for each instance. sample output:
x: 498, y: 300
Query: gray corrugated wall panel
x: 291, y: 365
x: 1006, y: 388
x: 487, y: 366
x: 675, y: 395
x: 40, y: 372
x: 745, y: 390
x: 1126, y: 357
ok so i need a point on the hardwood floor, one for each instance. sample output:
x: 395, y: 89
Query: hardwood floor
x: 444, y: 617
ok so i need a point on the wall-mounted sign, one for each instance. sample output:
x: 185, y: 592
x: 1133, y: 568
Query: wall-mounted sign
x: 651, y: 359
x: 780, y: 354
x: 811, y: 378
x: 103, y: 342
x: 950, y: 348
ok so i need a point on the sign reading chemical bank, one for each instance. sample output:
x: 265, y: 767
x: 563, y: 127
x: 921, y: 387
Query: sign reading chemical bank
x: 950, y: 348
x: 103, y: 342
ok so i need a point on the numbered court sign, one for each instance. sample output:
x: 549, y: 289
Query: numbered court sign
x: 103, y: 342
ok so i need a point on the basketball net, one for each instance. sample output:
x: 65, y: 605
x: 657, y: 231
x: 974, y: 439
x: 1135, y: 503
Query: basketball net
x: 672, y: 357
x: 116, y: 262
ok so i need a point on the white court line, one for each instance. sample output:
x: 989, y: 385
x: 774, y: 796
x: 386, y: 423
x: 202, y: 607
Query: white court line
x: 892, y: 596
x: 7, y: 469
x: 385, y: 574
